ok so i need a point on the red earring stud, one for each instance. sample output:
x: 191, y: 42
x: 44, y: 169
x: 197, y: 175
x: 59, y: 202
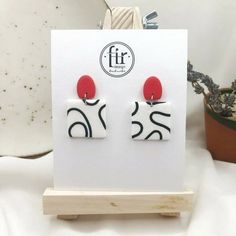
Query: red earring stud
x: 86, y: 116
x: 86, y: 87
x: 152, y: 89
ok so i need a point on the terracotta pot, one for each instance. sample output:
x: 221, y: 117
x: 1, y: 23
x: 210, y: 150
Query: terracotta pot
x: 220, y: 135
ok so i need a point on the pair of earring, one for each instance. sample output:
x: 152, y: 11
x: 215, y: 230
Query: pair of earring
x: 150, y: 119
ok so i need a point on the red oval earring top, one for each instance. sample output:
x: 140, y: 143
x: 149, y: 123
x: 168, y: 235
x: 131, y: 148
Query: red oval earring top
x: 152, y: 89
x: 86, y: 87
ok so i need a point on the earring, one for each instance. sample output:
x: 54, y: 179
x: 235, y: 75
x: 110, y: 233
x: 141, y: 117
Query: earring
x: 151, y: 119
x: 86, y: 117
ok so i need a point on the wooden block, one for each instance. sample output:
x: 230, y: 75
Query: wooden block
x: 62, y: 202
x: 170, y: 214
x: 67, y: 217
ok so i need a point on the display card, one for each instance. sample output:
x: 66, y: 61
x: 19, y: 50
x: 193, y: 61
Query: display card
x: 113, y: 138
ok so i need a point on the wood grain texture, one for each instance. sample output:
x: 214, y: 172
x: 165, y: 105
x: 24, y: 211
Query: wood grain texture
x: 58, y: 202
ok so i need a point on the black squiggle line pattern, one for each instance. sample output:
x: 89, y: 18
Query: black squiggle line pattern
x: 100, y: 116
x: 154, y: 103
x: 89, y: 103
x: 136, y: 109
x: 140, y: 131
x: 160, y: 113
x: 153, y: 132
x: 157, y: 123
x: 78, y: 123
x: 85, y: 117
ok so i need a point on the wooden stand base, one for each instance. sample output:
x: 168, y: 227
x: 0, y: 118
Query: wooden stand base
x: 69, y: 204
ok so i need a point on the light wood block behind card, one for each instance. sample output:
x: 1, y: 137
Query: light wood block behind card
x: 71, y: 203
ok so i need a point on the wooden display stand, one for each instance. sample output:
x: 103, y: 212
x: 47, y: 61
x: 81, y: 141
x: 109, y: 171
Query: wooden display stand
x: 68, y: 204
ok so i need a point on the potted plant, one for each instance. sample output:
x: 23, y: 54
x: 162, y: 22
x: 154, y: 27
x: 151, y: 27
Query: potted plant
x: 220, y: 115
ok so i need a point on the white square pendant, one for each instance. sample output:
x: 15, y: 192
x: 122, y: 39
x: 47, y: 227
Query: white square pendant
x: 151, y: 121
x: 86, y: 118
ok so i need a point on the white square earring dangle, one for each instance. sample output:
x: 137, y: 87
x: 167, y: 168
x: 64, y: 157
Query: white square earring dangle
x: 151, y: 119
x: 86, y: 117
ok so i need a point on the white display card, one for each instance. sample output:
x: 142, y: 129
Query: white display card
x: 119, y: 61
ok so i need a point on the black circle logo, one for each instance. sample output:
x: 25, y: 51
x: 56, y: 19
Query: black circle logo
x: 117, y: 59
